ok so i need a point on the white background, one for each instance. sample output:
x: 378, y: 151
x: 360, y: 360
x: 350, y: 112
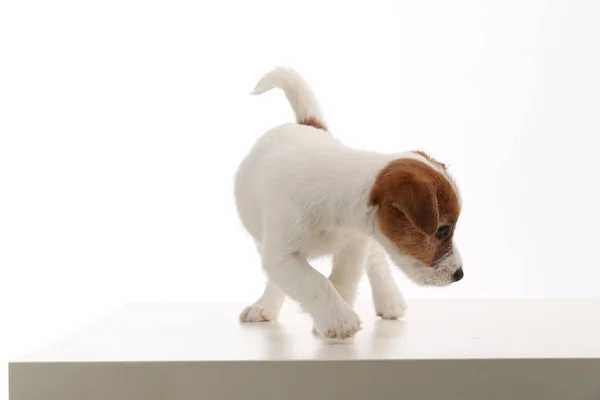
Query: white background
x: 122, y: 123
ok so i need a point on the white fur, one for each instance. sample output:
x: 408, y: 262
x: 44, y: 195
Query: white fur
x: 301, y: 194
x: 298, y: 92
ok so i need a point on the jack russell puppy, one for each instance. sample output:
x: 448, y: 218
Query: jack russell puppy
x: 301, y: 194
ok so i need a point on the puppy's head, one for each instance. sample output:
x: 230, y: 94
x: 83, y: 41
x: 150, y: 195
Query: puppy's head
x: 417, y: 210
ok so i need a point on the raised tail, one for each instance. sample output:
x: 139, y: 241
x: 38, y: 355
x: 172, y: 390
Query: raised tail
x: 298, y: 92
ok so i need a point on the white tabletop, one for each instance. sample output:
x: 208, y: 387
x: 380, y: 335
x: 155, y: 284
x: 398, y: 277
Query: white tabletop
x: 431, y: 329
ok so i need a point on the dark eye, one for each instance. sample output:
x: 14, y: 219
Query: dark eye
x: 442, y: 231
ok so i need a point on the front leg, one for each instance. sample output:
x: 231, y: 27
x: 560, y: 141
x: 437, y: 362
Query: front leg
x: 332, y: 316
x: 387, y: 299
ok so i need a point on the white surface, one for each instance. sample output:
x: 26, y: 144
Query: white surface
x: 432, y: 329
x: 452, y: 350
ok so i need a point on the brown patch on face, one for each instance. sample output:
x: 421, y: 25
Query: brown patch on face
x: 314, y: 122
x: 429, y: 158
x: 414, y: 200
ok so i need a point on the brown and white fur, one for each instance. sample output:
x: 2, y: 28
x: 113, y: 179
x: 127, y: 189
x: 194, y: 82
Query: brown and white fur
x: 301, y: 194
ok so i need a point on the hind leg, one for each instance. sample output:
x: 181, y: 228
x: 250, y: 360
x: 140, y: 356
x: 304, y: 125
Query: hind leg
x: 348, y: 266
x: 267, y: 307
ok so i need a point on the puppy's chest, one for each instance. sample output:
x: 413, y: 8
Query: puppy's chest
x: 325, y: 242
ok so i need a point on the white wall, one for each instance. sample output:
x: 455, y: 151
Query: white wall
x: 122, y: 123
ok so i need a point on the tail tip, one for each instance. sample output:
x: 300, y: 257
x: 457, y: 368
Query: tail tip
x: 260, y: 88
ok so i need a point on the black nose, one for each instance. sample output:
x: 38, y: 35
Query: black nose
x: 458, y: 275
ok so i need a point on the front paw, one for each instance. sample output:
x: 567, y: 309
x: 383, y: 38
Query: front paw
x: 337, y: 323
x: 390, y: 307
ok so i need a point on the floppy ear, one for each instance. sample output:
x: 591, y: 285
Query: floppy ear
x: 403, y: 185
x: 416, y: 198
